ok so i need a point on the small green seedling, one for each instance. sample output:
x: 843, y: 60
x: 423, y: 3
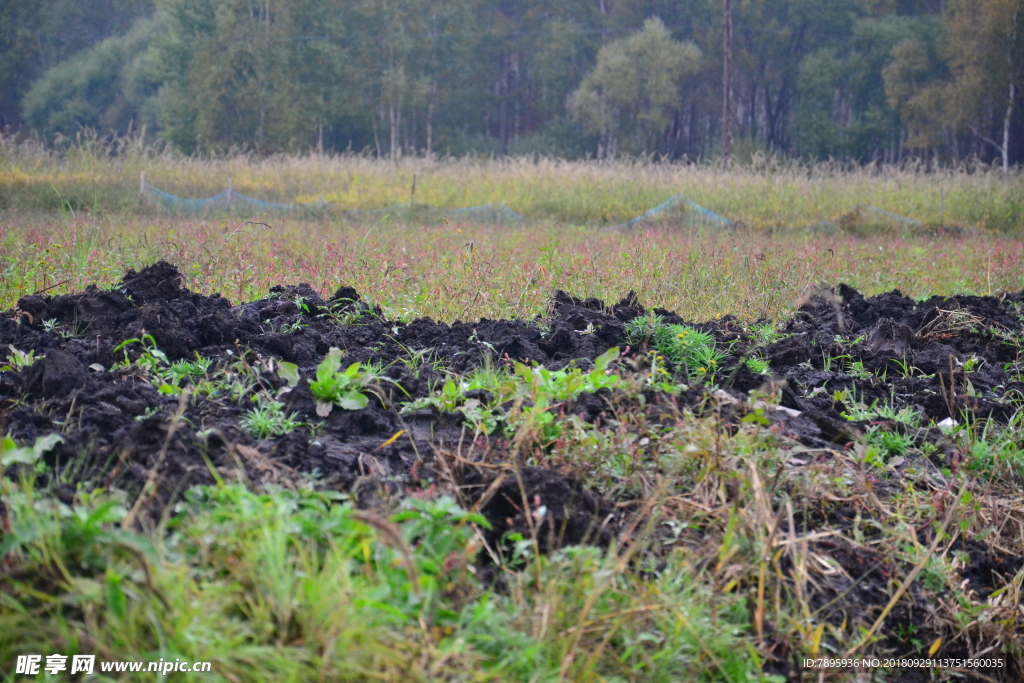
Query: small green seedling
x: 687, y: 349
x: 334, y: 387
x: 289, y: 372
x: 167, y: 377
x: 857, y: 369
x: 19, y: 360
x: 151, y: 358
x: 758, y: 365
x: 149, y: 412
x: 559, y: 385
x: 890, y: 443
x: 972, y: 364
x: 766, y: 333
x: 451, y: 398
x: 268, y: 419
x: 293, y: 327
x: 447, y: 400
x: 851, y: 341
x: 52, y: 325
x: 11, y: 454
x: 191, y: 370
x: 642, y: 330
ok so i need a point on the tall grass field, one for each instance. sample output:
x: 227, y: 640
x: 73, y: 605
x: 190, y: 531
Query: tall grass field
x: 73, y: 216
x: 103, y: 176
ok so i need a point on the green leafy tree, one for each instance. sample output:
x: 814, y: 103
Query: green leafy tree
x: 851, y: 79
x: 235, y: 75
x: 910, y: 89
x: 986, y: 57
x: 38, y: 35
x: 104, y: 87
x: 631, y: 94
x: 410, y: 62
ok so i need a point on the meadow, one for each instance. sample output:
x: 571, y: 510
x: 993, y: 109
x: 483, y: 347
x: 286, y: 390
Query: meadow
x: 463, y: 271
x: 588, y: 492
x: 90, y: 173
x: 73, y: 216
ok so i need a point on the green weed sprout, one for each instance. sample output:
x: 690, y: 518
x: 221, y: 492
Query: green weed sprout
x: 642, y: 330
x: 166, y: 376
x: 334, y: 387
x: 19, y: 360
x: 451, y: 398
x: 152, y: 361
x: 766, y: 333
x: 891, y: 443
x: 11, y: 454
x: 191, y: 370
x: 758, y: 365
x: 267, y: 419
x: 559, y: 385
x: 541, y: 386
x: 151, y: 358
x: 857, y: 369
x: 689, y: 350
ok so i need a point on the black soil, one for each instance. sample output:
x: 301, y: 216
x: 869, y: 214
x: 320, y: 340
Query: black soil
x: 944, y: 357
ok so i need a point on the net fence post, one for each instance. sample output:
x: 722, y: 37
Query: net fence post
x: 228, y: 202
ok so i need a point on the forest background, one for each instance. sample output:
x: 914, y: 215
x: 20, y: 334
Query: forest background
x: 857, y: 80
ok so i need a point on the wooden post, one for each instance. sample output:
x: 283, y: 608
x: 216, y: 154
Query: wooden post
x: 230, y: 179
x: 142, y: 184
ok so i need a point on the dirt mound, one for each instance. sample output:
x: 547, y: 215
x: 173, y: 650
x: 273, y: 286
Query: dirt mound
x: 942, y: 358
x: 149, y: 377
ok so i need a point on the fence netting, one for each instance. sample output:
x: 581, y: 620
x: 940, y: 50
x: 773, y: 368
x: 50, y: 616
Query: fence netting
x: 677, y: 210
x: 232, y: 201
x: 866, y: 218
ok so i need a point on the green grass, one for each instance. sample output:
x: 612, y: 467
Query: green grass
x: 300, y: 586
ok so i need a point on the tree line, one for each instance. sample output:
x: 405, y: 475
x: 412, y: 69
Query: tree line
x: 858, y: 80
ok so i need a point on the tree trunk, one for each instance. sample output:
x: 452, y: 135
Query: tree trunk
x: 376, y: 135
x: 727, y: 81
x: 430, y: 127
x: 430, y: 119
x: 266, y: 69
x: 394, y: 133
x: 1005, y: 149
x: 1013, y: 91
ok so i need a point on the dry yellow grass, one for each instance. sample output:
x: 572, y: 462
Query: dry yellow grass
x: 767, y: 193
